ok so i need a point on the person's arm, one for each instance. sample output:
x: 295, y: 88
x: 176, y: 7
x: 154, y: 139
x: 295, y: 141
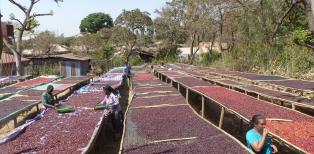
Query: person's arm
x: 258, y: 146
x: 102, y: 102
x: 49, y: 106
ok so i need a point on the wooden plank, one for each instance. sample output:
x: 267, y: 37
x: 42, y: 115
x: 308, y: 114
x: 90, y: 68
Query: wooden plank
x: 187, y: 94
x: 203, y: 106
x: 158, y: 106
x: 222, y: 115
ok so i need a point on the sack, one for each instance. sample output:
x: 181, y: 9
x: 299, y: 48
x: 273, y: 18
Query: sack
x: 65, y: 109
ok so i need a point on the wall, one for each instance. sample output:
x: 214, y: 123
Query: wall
x: 74, y: 68
x: 9, y: 69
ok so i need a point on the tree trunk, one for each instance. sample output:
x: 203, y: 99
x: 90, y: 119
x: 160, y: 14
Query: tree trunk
x: 128, y: 55
x: 212, y: 42
x: 1, y: 41
x: 309, y: 6
x: 192, y: 46
x: 17, y: 54
x: 18, y: 63
x: 221, y: 29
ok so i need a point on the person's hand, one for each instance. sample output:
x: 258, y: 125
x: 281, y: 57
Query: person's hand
x: 275, y: 150
x: 265, y: 132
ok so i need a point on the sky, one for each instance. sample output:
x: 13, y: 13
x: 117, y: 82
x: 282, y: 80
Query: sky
x: 69, y: 13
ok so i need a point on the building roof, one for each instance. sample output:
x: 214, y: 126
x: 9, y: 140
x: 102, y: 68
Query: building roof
x: 57, y: 49
x: 73, y: 56
x: 65, y: 56
x: 9, y: 58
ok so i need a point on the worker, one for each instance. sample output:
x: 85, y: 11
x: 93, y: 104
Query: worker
x: 112, y: 101
x: 127, y: 71
x: 257, y: 137
x: 47, y: 98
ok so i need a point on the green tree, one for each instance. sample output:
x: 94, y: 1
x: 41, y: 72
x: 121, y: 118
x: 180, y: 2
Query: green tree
x: 136, y: 26
x: 105, y: 52
x: 45, y: 42
x: 28, y: 23
x: 96, y: 21
x: 103, y: 56
x: 87, y: 43
x: 67, y: 41
x: 125, y: 39
x: 169, y: 30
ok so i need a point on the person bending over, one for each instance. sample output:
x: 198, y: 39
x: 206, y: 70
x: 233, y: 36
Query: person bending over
x: 112, y: 101
x: 47, y: 98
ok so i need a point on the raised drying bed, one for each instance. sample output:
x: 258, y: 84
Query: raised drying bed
x: 15, y: 110
x: 300, y: 87
x: 63, y: 133
x: 35, y: 82
x: 246, y: 107
x: 152, y: 127
x: 289, y: 100
x: 60, y: 133
x: 8, y: 80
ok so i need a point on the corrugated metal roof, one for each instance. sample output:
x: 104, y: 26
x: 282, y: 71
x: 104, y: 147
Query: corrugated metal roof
x: 66, y: 56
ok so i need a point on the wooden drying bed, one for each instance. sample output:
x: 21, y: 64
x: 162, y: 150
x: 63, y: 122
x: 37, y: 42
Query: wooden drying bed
x: 228, y: 109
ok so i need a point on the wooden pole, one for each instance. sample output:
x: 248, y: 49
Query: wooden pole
x: 178, y: 86
x: 293, y: 106
x: 203, y: 106
x: 222, y: 114
x: 187, y: 94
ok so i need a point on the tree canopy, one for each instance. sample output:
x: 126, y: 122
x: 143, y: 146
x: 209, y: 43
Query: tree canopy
x: 96, y: 21
x: 133, y: 28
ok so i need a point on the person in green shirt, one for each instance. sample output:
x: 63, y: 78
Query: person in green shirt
x: 47, y: 98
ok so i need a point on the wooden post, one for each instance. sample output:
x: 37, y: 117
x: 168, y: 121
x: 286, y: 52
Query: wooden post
x: 293, y: 106
x: 203, y: 106
x: 178, y: 86
x: 222, y: 114
x: 258, y: 97
x: 187, y: 94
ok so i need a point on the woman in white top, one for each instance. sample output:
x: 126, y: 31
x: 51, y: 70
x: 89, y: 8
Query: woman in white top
x: 112, y: 101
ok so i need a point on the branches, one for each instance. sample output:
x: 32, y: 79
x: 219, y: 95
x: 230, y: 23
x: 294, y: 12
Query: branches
x: 19, y: 21
x: 41, y: 14
x: 8, y: 45
x: 280, y: 21
x: 18, y: 5
x: 304, y: 44
x: 241, y: 3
